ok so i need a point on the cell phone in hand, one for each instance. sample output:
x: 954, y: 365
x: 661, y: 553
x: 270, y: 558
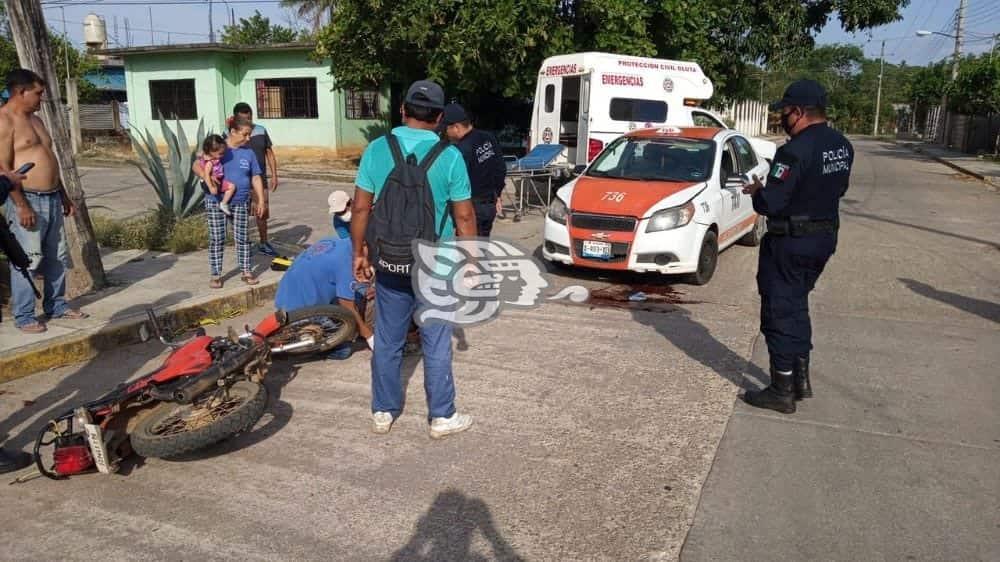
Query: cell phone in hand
x: 24, y: 169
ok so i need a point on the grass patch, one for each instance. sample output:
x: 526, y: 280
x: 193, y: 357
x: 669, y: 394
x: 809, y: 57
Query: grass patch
x: 156, y: 231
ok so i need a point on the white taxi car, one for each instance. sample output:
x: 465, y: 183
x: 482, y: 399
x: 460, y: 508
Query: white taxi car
x: 663, y: 200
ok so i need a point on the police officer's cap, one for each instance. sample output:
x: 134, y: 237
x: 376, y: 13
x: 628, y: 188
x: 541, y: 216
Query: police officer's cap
x: 801, y: 93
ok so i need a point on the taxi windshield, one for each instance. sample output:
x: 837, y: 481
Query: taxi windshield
x: 656, y: 159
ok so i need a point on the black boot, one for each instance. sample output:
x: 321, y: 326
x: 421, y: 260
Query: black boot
x: 9, y: 462
x: 779, y: 396
x: 803, y: 389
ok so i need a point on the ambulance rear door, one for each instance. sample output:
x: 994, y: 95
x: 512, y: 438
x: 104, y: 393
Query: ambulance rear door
x: 547, y: 111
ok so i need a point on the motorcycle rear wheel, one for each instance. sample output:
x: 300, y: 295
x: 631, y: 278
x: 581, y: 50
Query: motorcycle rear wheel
x: 328, y: 326
x: 171, y: 430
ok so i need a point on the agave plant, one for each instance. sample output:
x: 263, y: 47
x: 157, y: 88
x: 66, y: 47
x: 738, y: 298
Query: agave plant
x: 174, y: 182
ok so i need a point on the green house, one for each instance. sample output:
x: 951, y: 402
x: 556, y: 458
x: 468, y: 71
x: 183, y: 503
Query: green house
x: 292, y: 95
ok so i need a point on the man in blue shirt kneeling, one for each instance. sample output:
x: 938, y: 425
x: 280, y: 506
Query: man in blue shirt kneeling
x: 324, y: 274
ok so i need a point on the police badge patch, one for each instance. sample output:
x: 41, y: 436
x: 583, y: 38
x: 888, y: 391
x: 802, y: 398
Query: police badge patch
x: 781, y: 171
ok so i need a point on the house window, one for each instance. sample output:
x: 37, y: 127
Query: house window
x: 174, y: 99
x: 362, y: 104
x: 287, y: 98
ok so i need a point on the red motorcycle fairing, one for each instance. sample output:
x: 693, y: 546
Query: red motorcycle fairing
x: 191, y: 359
x: 270, y: 324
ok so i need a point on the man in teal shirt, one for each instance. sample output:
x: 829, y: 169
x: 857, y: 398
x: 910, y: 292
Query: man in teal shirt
x: 395, y: 301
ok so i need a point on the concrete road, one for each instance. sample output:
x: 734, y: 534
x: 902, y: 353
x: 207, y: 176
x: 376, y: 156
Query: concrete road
x: 597, y: 427
x: 896, y: 457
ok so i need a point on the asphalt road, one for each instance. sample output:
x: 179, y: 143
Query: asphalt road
x: 602, y: 433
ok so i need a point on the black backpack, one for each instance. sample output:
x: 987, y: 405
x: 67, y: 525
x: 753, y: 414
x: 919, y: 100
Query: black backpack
x: 404, y: 211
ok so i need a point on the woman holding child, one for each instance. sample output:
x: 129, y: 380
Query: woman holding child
x: 229, y: 170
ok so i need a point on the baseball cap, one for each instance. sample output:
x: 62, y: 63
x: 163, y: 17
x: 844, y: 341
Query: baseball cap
x: 454, y: 113
x: 425, y: 93
x: 338, y: 201
x: 801, y: 93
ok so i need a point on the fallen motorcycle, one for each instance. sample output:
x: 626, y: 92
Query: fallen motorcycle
x: 207, y: 390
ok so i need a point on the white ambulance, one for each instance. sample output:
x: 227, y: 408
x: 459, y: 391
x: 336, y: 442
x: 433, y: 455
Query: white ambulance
x: 584, y: 101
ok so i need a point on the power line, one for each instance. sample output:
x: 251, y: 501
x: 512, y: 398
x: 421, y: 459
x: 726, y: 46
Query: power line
x: 161, y: 30
x: 909, y: 28
x: 981, y: 10
x: 934, y: 46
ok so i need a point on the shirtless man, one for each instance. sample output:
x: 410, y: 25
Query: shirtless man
x: 36, y: 211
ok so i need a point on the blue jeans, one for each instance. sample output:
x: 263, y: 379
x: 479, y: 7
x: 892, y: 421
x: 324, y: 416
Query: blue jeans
x: 45, y: 246
x: 395, y: 304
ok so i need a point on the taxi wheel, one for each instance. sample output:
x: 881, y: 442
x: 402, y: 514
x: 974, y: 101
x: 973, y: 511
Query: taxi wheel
x: 707, y: 259
x: 754, y: 237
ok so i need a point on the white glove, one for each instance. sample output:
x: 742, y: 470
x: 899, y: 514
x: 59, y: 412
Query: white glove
x: 371, y: 342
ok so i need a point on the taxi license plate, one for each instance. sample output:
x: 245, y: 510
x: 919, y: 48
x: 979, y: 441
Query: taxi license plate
x: 595, y: 249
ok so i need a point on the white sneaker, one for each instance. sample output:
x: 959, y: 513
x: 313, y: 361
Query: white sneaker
x: 381, y: 422
x: 457, y: 423
x: 224, y: 207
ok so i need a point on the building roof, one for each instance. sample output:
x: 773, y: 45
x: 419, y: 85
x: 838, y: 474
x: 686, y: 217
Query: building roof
x: 204, y: 48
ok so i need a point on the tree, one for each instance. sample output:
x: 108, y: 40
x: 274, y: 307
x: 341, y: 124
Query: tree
x: 312, y: 10
x: 495, y: 47
x: 257, y: 31
x: 79, y: 62
x: 976, y: 91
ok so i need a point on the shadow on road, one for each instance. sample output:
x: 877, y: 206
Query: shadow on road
x: 445, y: 532
x: 879, y: 218
x: 88, y: 382
x: 698, y: 343
x: 984, y: 309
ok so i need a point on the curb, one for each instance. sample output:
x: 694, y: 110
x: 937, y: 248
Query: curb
x: 78, y: 347
x: 952, y: 165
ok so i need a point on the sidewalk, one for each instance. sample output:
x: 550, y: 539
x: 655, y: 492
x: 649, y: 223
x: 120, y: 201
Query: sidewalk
x: 979, y: 168
x: 176, y: 286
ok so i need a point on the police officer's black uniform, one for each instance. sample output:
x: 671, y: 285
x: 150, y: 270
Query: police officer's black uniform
x: 801, y: 198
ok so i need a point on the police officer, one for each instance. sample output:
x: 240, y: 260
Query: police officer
x: 809, y: 175
x: 484, y: 161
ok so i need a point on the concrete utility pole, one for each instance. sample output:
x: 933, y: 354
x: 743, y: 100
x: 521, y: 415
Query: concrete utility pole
x: 72, y: 95
x: 152, y: 38
x: 878, y: 96
x: 959, y: 30
x: 31, y: 38
x: 211, y: 28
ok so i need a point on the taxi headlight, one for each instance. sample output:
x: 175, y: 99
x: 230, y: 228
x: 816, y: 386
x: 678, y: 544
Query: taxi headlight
x: 558, y: 210
x: 668, y: 219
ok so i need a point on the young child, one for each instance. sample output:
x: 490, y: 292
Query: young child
x: 210, y: 164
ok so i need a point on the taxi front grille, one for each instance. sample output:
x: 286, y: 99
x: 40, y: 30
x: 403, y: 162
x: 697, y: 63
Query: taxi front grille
x: 619, y: 252
x: 603, y: 222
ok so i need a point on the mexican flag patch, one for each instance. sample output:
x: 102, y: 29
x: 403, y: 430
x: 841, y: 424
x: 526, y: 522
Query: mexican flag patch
x: 781, y: 171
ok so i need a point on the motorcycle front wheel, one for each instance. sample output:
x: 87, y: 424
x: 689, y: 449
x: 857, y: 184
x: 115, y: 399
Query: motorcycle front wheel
x: 324, y: 327
x: 171, y: 430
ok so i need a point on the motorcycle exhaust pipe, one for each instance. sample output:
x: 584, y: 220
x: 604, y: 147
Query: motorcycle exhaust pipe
x: 210, y: 378
x: 205, y: 382
x: 291, y: 346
